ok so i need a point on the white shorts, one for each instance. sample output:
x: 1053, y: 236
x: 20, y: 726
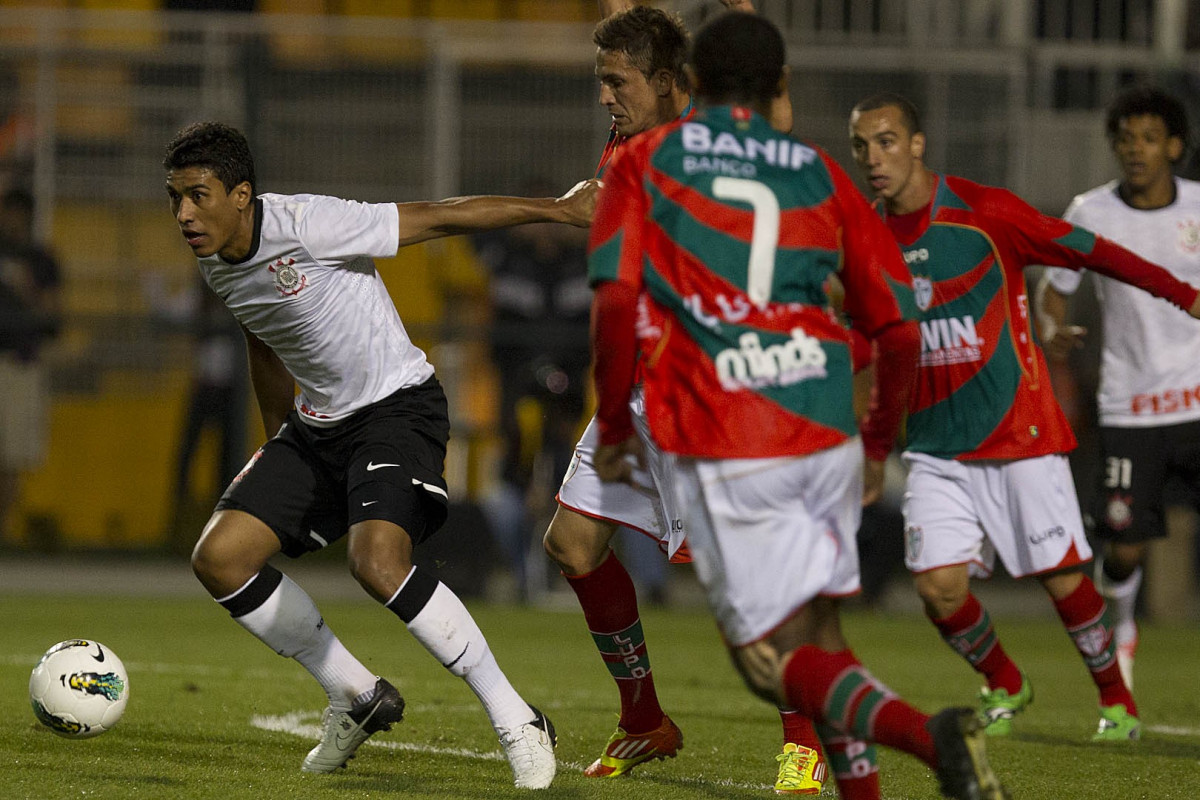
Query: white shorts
x: 967, y: 512
x: 25, y: 398
x: 640, y: 506
x: 769, y: 535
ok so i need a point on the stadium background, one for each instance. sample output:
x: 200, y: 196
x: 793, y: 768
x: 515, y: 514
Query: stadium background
x: 408, y: 99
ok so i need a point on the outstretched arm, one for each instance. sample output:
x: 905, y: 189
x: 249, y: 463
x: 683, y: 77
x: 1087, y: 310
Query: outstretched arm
x: 425, y: 220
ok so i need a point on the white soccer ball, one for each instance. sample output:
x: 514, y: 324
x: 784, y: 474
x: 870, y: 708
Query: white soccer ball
x: 79, y: 689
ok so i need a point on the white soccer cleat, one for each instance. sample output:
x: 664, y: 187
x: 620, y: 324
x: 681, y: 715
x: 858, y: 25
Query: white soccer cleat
x: 530, y: 751
x: 343, y: 731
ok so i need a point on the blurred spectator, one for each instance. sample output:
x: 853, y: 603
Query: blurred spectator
x: 29, y: 309
x: 217, y: 396
x: 540, y: 303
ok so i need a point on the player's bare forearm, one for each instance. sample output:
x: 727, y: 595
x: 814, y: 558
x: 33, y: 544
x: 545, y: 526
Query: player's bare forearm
x: 873, y: 480
x: 1058, y: 338
x: 426, y: 220
x: 614, y: 463
x: 274, y: 386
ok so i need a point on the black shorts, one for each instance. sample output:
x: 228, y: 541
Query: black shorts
x: 384, y: 462
x: 1138, y: 466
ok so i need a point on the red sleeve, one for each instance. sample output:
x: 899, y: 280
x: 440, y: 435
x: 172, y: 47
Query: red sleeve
x: 860, y: 351
x: 877, y: 281
x: 1042, y: 239
x: 614, y: 358
x: 880, y: 305
x: 1114, y: 261
x: 614, y: 269
x: 895, y: 373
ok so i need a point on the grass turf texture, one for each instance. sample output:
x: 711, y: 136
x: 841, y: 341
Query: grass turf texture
x: 212, y: 712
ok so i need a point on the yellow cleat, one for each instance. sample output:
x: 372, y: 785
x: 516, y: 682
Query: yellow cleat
x: 625, y: 751
x: 801, y: 770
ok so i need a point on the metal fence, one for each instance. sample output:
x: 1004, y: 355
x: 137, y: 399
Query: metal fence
x: 401, y: 109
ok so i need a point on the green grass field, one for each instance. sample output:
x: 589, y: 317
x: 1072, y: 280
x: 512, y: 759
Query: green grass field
x: 214, y: 714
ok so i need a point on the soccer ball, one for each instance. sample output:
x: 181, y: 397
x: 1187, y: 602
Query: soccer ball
x: 79, y: 689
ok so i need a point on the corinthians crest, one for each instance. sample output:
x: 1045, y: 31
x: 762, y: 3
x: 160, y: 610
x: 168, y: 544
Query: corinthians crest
x: 1189, y: 236
x: 922, y: 292
x: 288, y: 279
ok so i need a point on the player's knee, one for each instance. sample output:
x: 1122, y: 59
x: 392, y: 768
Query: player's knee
x: 379, y: 555
x: 576, y: 543
x: 761, y: 669
x: 941, y: 594
x: 219, y: 567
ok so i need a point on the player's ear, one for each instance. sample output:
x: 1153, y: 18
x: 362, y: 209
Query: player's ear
x: 1175, y: 148
x: 916, y: 145
x: 241, y: 195
x: 663, y: 82
x: 785, y: 77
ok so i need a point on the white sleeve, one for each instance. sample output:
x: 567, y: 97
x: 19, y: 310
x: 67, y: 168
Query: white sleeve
x: 335, y: 231
x: 1066, y: 281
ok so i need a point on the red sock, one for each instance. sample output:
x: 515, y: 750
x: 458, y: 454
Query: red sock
x: 970, y: 633
x: 1086, y: 616
x: 836, y: 690
x: 855, y: 765
x: 798, y: 729
x: 609, y: 604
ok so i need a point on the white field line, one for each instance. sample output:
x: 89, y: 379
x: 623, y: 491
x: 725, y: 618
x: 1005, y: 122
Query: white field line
x: 306, y: 725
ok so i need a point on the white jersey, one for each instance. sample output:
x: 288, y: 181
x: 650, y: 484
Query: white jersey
x: 309, y: 290
x: 1149, y: 373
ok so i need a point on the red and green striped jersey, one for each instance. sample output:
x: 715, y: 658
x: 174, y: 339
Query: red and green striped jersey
x: 983, y: 390
x: 725, y: 232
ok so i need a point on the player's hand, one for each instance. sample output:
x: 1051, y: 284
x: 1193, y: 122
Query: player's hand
x: 614, y: 463
x: 1070, y: 337
x: 873, y: 473
x: 579, y: 205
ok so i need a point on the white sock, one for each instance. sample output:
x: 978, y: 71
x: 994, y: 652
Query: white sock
x: 1122, y: 599
x: 289, y: 623
x: 449, y: 633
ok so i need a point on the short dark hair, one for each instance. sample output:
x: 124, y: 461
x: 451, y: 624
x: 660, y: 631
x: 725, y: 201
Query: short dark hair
x: 1147, y: 100
x: 908, y: 111
x: 652, y: 39
x: 219, y: 147
x: 738, y: 57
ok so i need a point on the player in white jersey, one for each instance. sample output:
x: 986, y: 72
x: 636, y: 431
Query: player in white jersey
x: 1149, y: 394
x: 359, y: 451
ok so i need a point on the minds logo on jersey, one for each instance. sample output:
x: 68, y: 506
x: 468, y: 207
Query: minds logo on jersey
x: 288, y: 280
x: 949, y: 341
x: 752, y: 366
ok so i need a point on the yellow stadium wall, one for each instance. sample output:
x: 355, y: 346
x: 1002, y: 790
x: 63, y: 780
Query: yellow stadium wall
x: 107, y: 479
